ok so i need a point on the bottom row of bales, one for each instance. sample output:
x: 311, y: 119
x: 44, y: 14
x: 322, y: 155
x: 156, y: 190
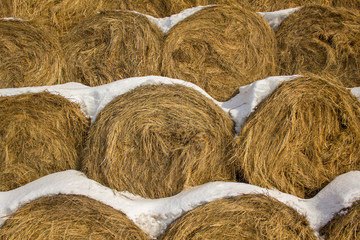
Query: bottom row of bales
x: 252, y: 216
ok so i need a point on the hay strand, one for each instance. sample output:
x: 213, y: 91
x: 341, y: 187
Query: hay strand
x: 29, y: 55
x: 344, y: 225
x: 69, y: 217
x: 40, y: 133
x: 110, y: 46
x: 157, y: 139
x: 220, y: 49
x: 301, y: 137
x: 323, y: 41
x: 155, y: 8
x: 243, y: 217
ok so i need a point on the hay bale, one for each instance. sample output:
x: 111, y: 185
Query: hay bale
x: 353, y: 5
x: 252, y: 216
x: 220, y: 49
x: 323, y: 41
x: 69, y: 217
x: 344, y: 225
x: 157, y: 139
x: 40, y: 133
x: 301, y: 137
x: 155, y: 8
x: 110, y: 46
x: 275, y: 5
x: 29, y: 55
x: 58, y: 15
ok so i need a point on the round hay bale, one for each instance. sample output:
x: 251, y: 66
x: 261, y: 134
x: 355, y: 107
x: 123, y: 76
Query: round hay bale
x: 252, y: 216
x: 69, y: 217
x: 29, y: 55
x: 301, y: 137
x: 155, y: 8
x: 345, y: 224
x: 220, y: 49
x: 58, y: 15
x: 155, y: 140
x: 40, y: 133
x: 275, y: 5
x: 110, y: 46
x: 323, y: 41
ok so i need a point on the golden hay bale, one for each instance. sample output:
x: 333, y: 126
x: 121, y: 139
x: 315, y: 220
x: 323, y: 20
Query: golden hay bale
x: 110, y: 46
x: 69, y: 217
x: 155, y: 140
x: 252, y: 216
x: 155, y: 8
x: 220, y: 49
x: 345, y: 224
x: 301, y: 137
x: 40, y: 133
x: 58, y: 15
x: 323, y: 41
x: 29, y: 56
x: 275, y: 5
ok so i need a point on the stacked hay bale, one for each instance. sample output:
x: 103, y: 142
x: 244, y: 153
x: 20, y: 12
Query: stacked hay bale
x: 69, y: 217
x: 244, y: 217
x: 220, y: 48
x: 321, y: 40
x: 301, y: 137
x: 110, y: 46
x: 155, y: 8
x: 274, y: 5
x: 344, y: 225
x: 58, y: 15
x: 40, y: 133
x: 29, y: 55
x: 158, y: 139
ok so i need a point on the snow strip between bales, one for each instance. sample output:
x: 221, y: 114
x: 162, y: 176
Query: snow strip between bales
x: 154, y: 215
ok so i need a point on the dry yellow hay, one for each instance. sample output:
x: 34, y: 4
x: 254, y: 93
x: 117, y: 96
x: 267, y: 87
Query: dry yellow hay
x: 155, y: 140
x: 349, y: 4
x: 155, y: 8
x: 69, y: 217
x: 301, y: 137
x: 220, y: 49
x: 275, y: 5
x: 40, y: 133
x: 29, y: 56
x: 244, y: 217
x: 323, y: 41
x: 110, y: 46
x: 345, y: 225
x: 58, y: 15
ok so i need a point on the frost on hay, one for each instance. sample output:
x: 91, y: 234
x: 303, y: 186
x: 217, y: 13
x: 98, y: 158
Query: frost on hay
x: 220, y: 49
x: 323, y: 41
x: 244, y: 217
x: 301, y: 137
x: 158, y: 139
x: 111, y: 46
x: 40, y: 134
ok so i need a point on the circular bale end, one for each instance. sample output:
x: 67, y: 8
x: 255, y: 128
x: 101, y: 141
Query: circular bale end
x: 157, y: 139
x: 301, y: 137
x: 321, y: 40
x: 29, y: 55
x: 274, y: 5
x: 345, y: 224
x: 40, y: 133
x: 69, y: 217
x: 252, y: 216
x: 220, y: 48
x: 155, y: 8
x: 110, y: 46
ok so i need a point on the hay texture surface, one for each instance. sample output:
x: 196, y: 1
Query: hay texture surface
x: 301, y: 137
x: 345, y: 224
x: 220, y: 49
x: 157, y: 139
x: 110, y: 46
x: 353, y: 5
x: 29, y: 55
x: 321, y: 40
x: 58, y: 15
x: 69, y: 217
x: 155, y: 8
x: 275, y: 5
x: 40, y: 134
x: 244, y: 217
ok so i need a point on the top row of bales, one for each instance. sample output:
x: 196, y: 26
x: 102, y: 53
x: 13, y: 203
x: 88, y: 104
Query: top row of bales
x: 219, y: 48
